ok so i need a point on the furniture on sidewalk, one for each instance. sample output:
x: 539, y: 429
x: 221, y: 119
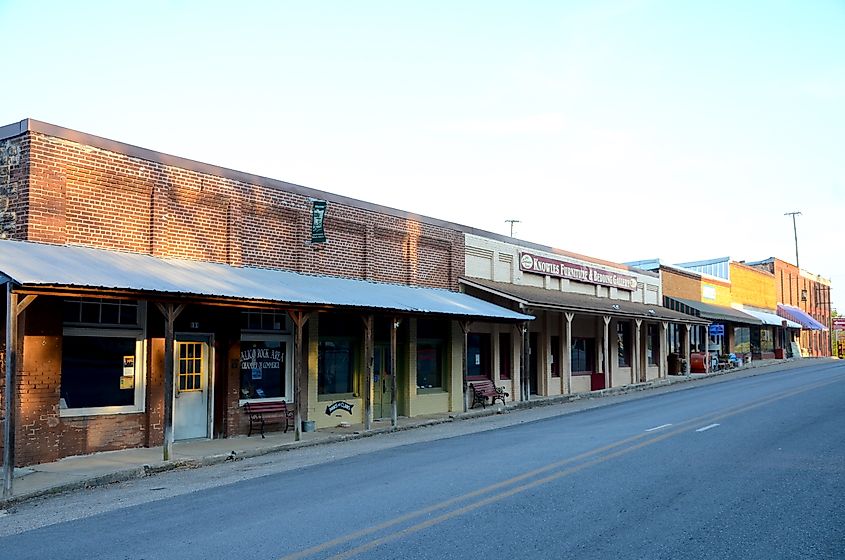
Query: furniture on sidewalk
x: 482, y: 390
x: 274, y: 410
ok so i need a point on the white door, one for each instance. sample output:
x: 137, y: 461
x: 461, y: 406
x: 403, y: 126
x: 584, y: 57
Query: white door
x: 191, y: 390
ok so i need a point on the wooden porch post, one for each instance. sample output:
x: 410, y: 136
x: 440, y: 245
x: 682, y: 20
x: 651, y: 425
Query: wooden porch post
x: 368, y: 382
x: 465, y: 329
x: 688, y: 343
x: 663, y: 368
x: 14, y: 307
x: 300, y: 378
x: 524, y: 368
x: 608, y: 379
x: 394, y: 407
x: 639, y: 372
x: 170, y: 314
x: 568, y: 351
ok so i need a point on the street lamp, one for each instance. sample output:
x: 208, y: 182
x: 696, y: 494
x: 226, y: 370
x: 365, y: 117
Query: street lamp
x: 795, y: 232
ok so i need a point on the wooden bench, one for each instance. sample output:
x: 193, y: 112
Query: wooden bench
x: 483, y: 390
x: 278, y: 410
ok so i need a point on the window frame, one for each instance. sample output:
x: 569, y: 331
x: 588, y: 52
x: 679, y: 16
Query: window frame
x: 355, y: 351
x: 442, y: 346
x: 623, y: 352
x: 259, y: 336
x: 652, y: 345
x: 140, y: 370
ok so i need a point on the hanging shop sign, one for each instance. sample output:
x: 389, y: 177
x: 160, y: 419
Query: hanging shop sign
x: 573, y: 271
x: 339, y: 405
x: 716, y: 330
x: 318, y: 215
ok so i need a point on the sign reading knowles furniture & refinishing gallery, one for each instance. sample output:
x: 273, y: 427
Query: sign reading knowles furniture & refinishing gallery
x: 577, y: 272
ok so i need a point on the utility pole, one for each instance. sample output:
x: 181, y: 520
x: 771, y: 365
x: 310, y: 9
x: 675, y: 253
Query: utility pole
x: 511, y: 222
x: 795, y: 232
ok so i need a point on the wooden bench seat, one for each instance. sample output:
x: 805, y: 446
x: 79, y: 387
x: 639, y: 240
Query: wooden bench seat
x: 483, y: 390
x: 265, y: 412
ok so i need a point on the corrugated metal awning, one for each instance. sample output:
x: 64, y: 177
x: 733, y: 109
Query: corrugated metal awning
x: 541, y: 298
x: 41, y: 265
x: 800, y: 316
x: 770, y: 318
x: 711, y: 312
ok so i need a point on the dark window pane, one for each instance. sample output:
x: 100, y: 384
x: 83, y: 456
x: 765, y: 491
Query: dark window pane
x: 623, y: 343
x: 91, y: 371
x: 555, y: 352
x: 429, y: 363
x: 90, y: 312
x: 110, y: 313
x: 262, y: 369
x: 335, y: 366
x: 505, y: 356
x: 128, y: 314
x: 478, y: 355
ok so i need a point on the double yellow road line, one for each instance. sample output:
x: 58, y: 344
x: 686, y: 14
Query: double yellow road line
x: 521, y: 483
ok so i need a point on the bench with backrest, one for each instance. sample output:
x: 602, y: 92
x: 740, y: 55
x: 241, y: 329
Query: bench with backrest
x: 266, y: 412
x: 483, y: 390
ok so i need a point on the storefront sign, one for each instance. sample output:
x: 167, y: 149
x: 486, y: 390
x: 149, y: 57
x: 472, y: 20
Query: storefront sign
x: 257, y: 360
x: 339, y: 405
x: 577, y: 272
x: 318, y: 215
x: 716, y: 330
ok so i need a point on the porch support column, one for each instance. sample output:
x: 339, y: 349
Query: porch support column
x: 663, y: 367
x: 300, y: 377
x: 687, y: 349
x: 639, y: 372
x: 394, y: 412
x: 14, y: 307
x: 608, y: 379
x: 368, y: 381
x: 523, y: 365
x: 567, y: 350
x: 170, y: 314
x: 465, y: 329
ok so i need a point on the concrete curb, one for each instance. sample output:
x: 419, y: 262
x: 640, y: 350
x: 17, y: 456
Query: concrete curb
x: 134, y: 473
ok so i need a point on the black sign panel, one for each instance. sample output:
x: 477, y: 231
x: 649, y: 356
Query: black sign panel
x: 318, y: 215
x: 339, y: 405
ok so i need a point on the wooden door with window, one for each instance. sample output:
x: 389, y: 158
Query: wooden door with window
x: 191, y: 389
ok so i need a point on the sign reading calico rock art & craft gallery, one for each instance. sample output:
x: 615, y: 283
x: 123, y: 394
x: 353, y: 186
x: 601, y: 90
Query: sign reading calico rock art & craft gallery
x: 578, y: 272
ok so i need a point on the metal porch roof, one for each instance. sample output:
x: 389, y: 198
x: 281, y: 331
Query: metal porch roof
x: 567, y: 301
x: 41, y: 265
x: 711, y: 312
x: 770, y: 318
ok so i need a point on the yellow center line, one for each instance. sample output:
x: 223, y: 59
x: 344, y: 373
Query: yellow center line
x: 681, y: 427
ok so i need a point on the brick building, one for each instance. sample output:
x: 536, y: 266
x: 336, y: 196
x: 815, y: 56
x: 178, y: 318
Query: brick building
x: 116, y: 257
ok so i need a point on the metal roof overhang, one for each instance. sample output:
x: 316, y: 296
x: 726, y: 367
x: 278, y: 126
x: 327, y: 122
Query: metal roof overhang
x: 541, y: 298
x: 800, y: 316
x: 710, y: 312
x: 770, y: 318
x: 70, y: 270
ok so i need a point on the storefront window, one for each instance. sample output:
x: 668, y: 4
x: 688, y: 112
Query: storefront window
x: 555, y: 354
x: 431, y: 352
x: 623, y: 343
x: 583, y: 352
x: 652, y: 349
x: 102, y: 358
x: 93, y: 371
x: 335, y: 365
x: 505, y: 364
x: 767, y: 340
x: 264, y: 368
x: 742, y: 340
x: 478, y: 355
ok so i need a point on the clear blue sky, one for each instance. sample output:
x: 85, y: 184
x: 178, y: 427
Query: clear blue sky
x: 620, y: 129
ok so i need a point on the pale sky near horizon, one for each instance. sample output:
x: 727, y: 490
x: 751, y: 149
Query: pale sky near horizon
x: 620, y: 129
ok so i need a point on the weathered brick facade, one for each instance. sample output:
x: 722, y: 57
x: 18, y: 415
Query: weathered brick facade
x: 63, y: 187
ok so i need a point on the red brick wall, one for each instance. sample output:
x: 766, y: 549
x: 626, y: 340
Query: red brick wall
x: 90, y: 196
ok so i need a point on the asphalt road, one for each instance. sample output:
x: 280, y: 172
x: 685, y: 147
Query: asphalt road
x: 751, y: 468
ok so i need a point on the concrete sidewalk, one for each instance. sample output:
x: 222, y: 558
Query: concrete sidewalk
x: 84, y: 471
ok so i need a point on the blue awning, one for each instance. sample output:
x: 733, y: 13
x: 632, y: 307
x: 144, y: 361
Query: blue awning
x: 800, y: 316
